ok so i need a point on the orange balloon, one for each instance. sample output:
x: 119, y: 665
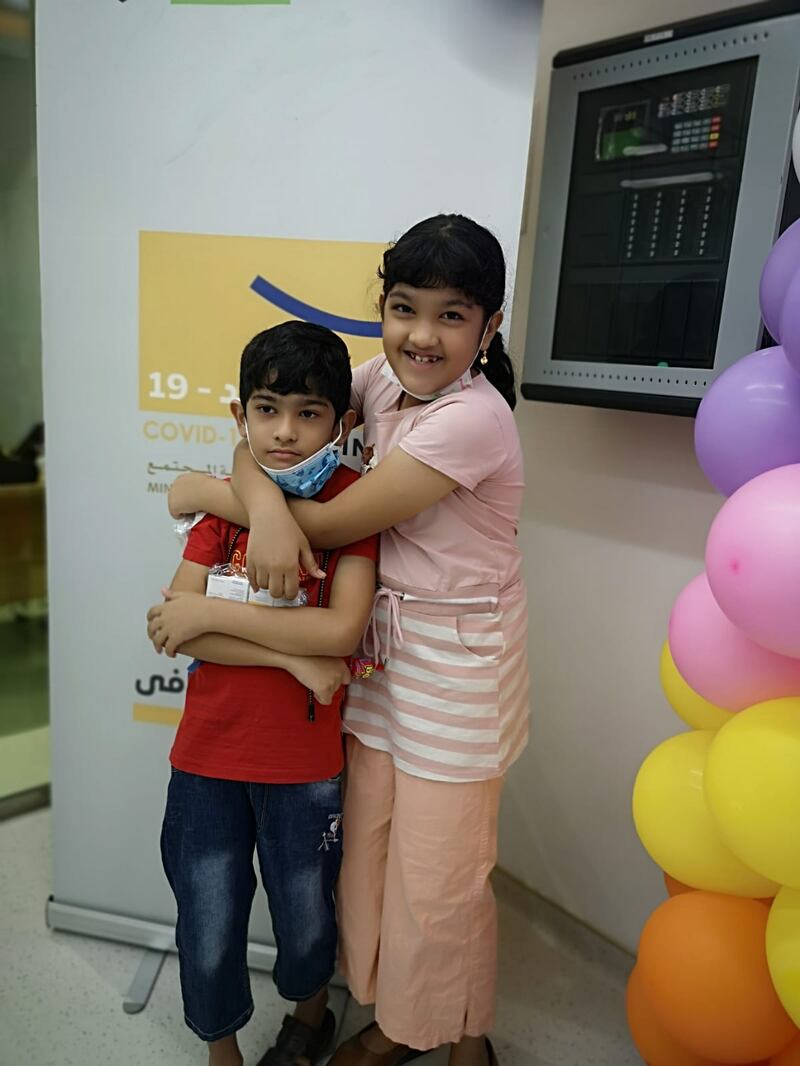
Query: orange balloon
x: 652, y: 1040
x: 703, y: 963
x: 676, y: 888
x: 790, y: 1056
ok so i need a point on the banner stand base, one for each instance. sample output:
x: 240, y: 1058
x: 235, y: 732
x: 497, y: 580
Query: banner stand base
x: 157, y: 940
x: 155, y: 936
x: 144, y: 981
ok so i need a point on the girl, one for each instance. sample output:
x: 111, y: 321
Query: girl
x: 432, y: 733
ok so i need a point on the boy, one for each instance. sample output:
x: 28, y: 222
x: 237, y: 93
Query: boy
x: 257, y: 758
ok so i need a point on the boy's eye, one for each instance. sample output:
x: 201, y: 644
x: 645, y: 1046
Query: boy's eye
x: 308, y: 414
x: 265, y: 409
x: 453, y: 316
x: 403, y: 309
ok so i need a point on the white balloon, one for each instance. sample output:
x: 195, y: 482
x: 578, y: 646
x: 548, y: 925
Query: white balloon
x: 796, y: 148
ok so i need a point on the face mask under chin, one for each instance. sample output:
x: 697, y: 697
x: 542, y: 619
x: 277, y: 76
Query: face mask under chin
x: 309, y: 476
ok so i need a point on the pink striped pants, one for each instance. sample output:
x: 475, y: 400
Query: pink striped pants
x: 417, y: 915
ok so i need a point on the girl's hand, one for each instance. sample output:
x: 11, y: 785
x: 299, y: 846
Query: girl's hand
x: 324, y: 676
x: 185, y: 494
x: 179, y: 619
x: 277, y: 549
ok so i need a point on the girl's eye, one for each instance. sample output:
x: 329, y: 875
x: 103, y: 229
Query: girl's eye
x: 453, y: 316
x: 403, y: 309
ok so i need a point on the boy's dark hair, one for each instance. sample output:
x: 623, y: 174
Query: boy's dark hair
x: 453, y: 252
x: 297, y: 357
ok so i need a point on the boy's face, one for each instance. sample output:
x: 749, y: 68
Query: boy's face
x: 285, y: 430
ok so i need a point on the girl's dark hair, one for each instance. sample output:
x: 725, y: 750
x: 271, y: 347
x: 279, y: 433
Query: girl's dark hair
x: 453, y: 252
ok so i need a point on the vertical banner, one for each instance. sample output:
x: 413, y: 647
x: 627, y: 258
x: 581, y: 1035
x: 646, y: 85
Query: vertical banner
x: 207, y: 170
x: 201, y: 298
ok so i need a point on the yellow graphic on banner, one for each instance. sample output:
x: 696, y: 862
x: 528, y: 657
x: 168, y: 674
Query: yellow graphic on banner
x: 202, y: 297
x: 143, y: 712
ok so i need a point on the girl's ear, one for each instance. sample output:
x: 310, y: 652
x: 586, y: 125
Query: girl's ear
x: 492, y: 326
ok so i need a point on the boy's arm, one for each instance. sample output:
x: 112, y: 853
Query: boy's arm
x: 322, y: 674
x: 218, y: 647
x: 332, y: 631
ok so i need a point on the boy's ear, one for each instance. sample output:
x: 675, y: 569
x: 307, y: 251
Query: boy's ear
x: 348, y: 422
x: 238, y: 413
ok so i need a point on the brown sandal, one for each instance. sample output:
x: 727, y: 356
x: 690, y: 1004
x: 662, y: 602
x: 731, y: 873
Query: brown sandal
x: 296, y: 1040
x: 354, y: 1052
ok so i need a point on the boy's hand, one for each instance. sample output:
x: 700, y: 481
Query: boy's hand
x: 323, y: 675
x: 277, y: 550
x: 179, y: 619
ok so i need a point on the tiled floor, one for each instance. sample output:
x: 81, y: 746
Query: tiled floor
x: 561, y: 989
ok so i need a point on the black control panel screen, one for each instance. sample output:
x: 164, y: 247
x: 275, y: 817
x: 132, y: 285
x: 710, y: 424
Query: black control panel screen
x: 655, y: 180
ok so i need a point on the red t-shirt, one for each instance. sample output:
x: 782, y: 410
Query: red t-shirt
x: 251, y: 723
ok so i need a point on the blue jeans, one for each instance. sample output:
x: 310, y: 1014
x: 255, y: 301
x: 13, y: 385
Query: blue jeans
x: 211, y: 829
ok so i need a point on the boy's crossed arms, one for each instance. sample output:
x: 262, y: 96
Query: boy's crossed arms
x: 310, y: 643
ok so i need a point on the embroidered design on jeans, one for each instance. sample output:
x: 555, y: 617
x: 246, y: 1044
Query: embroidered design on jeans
x: 331, y: 835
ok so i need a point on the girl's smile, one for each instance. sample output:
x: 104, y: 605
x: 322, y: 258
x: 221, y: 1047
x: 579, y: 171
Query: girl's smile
x: 431, y: 336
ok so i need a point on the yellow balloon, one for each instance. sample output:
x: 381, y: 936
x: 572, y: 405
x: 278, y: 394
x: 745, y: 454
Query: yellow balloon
x: 753, y: 787
x: 676, y: 827
x: 685, y: 702
x: 783, y: 950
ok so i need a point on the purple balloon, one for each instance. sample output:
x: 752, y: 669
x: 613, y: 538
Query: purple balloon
x: 790, y: 322
x: 782, y: 264
x: 749, y: 420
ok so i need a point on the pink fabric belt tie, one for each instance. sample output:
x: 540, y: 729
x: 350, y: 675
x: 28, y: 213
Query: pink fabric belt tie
x: 378, y: 645
x: 379, y: 650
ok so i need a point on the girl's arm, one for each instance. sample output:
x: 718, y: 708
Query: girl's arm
x: 190, y: 493
x: 399, y: 488
x: 252, y: 500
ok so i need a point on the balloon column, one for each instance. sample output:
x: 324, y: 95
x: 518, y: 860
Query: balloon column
x: 717, y: 979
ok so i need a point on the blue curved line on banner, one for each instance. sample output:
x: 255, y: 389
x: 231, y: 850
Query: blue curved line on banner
x: 356, y: 327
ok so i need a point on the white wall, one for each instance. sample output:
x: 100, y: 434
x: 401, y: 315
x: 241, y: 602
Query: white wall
x: 20, y: 336
x: 615, y: 520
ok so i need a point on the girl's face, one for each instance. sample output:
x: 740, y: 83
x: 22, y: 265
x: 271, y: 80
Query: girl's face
x: 431, y: 336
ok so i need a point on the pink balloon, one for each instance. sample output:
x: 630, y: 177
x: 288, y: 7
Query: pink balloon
x: 718, y: 661
x: 753, y: 559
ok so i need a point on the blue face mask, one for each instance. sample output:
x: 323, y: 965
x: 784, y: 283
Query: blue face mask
x: 306, y: 478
